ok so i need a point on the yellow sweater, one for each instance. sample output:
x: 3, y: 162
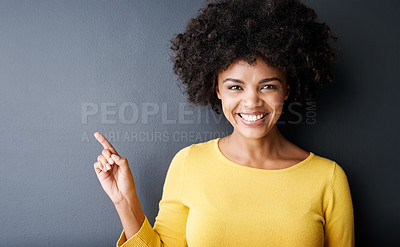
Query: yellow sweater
x: 211, y: 201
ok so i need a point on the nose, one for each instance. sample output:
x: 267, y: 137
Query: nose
x: 252, y: 99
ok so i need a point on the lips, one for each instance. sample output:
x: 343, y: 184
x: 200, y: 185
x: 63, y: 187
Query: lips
x: 253, y: 116
x: 252, y: 120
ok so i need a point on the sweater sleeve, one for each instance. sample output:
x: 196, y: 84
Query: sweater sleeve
x: 339, y: 218
x: 170, y: 224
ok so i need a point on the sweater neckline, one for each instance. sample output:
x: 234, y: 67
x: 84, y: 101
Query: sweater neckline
x: 222, y: 157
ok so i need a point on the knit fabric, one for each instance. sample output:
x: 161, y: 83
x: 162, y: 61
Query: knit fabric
x: 211, y: 201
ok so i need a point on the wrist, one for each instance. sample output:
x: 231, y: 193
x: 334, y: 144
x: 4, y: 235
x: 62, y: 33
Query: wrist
x: 130, y: 209
x: 127, y: 200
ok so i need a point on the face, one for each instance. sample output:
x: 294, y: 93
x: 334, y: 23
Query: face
x: 252, y: 97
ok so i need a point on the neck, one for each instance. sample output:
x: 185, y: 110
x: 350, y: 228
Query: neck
x: 266, y: 147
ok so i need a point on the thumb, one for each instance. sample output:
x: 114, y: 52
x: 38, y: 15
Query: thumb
x: 122, y: 162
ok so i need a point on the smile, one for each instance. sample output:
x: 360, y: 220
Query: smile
x: 252, y: 118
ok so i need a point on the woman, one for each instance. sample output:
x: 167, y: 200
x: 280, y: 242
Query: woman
x: 253, y: 187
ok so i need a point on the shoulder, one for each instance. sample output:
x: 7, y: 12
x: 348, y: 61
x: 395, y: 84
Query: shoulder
x: 196, y: 150
x: 330, y: 168
x: 323, y: 161
x: 326, y: 163
x: 200, y: 148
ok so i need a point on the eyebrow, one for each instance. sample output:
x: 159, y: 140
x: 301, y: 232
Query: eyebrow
x: 261, y: 81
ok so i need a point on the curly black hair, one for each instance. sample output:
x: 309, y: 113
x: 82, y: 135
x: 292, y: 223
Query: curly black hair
x: 284, y: 33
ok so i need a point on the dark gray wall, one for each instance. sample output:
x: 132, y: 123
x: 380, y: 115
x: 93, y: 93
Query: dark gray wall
x: 70, y: 68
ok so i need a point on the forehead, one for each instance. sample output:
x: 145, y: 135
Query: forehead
x: 242, y: 69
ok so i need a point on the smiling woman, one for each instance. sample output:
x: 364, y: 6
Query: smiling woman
x: 252, y: 97
x: 253, y: 187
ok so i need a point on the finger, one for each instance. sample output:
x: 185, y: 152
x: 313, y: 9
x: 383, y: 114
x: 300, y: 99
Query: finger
x: 122, y: 164
x: 102, y: 160
x: 98, y: 167
x: 115, y: 158
x: 104, y: 142
x: 107, y: 154
x: 120, y: 161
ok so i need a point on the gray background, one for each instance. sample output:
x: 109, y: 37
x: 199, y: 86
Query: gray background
x: 58, y: 57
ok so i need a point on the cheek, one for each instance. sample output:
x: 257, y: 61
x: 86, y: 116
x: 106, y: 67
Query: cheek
x: 227, y: 102
x: 275, y: 101
x: 228, y: 106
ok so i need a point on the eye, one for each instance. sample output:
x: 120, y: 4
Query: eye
x: 235, y: 87
x: 270, y: 87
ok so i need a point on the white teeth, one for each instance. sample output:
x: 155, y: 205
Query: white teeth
x: 252, y: 118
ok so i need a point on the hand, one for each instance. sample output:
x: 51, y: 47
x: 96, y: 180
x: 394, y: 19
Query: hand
x: 114, y: 174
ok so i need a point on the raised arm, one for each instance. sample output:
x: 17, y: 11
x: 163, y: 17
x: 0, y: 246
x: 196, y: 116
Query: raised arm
x: 117, y: 181
x: 170, y: 225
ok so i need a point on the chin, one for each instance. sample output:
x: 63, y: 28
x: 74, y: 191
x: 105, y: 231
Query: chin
x: 252, y: 134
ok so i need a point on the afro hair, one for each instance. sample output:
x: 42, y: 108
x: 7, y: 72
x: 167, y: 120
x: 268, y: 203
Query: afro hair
x: 284, y: 33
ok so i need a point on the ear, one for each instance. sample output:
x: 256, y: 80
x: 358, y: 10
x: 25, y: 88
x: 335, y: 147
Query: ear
x: 218, y: 93
x: 287, y: 92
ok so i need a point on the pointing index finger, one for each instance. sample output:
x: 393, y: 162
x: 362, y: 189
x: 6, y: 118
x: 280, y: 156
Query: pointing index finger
x: 105, y: 143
